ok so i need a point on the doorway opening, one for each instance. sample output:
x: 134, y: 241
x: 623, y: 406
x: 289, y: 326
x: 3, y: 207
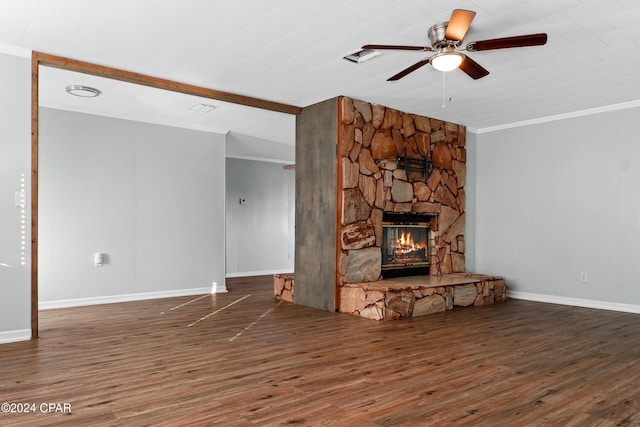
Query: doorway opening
x: 41, y: 59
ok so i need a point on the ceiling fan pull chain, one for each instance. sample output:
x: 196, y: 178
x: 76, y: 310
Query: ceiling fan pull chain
x: 443, y: 95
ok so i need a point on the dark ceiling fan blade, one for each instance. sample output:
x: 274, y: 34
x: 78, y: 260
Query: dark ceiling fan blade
x: 472, y: 68
x: 408, y: 70
x: 396, y: 47
x: 459, y: 24
x: 507, y: 42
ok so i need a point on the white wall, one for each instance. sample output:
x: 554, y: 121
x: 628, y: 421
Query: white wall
x: 260, y: 233
x: 150, y: 197
x: 15, y: 164
x: 559, y: 198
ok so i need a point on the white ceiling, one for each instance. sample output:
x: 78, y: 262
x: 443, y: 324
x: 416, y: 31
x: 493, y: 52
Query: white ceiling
x: 290, y: 51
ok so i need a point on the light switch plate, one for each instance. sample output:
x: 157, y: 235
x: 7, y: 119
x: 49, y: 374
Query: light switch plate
x: 21, y: 199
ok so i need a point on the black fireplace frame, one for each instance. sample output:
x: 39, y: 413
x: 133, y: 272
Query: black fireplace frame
x: 407, y: 221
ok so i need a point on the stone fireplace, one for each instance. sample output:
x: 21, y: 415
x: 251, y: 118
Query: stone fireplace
x: 380, y: 193
x: 373, y: 140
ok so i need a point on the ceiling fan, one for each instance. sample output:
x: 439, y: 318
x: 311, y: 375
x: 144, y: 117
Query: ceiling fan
x: 446, y: 39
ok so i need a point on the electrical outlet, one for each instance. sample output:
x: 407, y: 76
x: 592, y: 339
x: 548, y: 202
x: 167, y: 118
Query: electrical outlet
x: 584, y: 277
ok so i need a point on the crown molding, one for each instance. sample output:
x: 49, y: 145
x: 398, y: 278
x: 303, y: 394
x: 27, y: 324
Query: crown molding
x: 15, y: 51
x: 580, y: 113
x: 258, y: 159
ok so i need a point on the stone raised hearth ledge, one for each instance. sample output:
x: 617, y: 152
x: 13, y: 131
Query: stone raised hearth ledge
x: 283, y: 287
x: 348, y: 178
x: 412, y: 296
x: 400, y: 297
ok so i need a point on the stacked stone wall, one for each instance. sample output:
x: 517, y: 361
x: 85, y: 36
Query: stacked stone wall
x: 371, y: 138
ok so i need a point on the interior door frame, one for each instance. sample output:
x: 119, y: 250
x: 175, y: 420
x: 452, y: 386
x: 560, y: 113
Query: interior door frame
x: 40, y: 58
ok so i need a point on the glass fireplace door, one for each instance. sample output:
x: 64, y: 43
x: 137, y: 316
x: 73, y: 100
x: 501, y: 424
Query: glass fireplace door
x: 405, y: 245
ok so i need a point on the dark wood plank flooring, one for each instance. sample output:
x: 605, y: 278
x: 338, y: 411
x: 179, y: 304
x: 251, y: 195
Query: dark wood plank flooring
x: 252, y: 360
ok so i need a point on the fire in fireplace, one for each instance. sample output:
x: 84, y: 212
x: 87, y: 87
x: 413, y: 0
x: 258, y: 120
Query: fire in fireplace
x: 405, y: 245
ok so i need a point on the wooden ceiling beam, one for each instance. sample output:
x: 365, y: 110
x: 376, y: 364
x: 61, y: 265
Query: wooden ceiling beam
x: 159, y: 83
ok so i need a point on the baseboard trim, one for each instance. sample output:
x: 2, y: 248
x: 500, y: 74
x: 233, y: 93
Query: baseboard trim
x: 257, y: 273
x: 217, y: 288
x: 577, y: 302
x: 14, y: 336
x: 49, y: 305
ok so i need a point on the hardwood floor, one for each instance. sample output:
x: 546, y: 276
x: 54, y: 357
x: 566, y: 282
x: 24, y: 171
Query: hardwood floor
x: 248, y: 359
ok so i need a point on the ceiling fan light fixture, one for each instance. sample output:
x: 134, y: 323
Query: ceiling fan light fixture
x: 82, y: 91
x: 446, y: 61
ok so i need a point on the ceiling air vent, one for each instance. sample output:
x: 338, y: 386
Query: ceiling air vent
x: 202, y: 108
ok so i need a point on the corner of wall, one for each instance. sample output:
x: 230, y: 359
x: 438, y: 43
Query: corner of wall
x: 470, y: 188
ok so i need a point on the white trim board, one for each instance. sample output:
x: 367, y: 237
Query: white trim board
x: 576, y: 302
x: 13, y: 336
x: 67, y: 303
x: 258, y: 273
x: 259, y: 159
x: 572, y: 114
x: 15, y: 51
x: 217, y: 288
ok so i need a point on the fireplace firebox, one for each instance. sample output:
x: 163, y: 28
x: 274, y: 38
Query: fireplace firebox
x: 405, y: 245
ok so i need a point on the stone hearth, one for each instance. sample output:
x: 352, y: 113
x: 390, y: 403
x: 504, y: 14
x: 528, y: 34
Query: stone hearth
x: 413, y: 296
x: 283, y: 287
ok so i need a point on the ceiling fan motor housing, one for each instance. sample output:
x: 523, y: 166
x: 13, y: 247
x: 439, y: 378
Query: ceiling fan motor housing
x: 437, y: 38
